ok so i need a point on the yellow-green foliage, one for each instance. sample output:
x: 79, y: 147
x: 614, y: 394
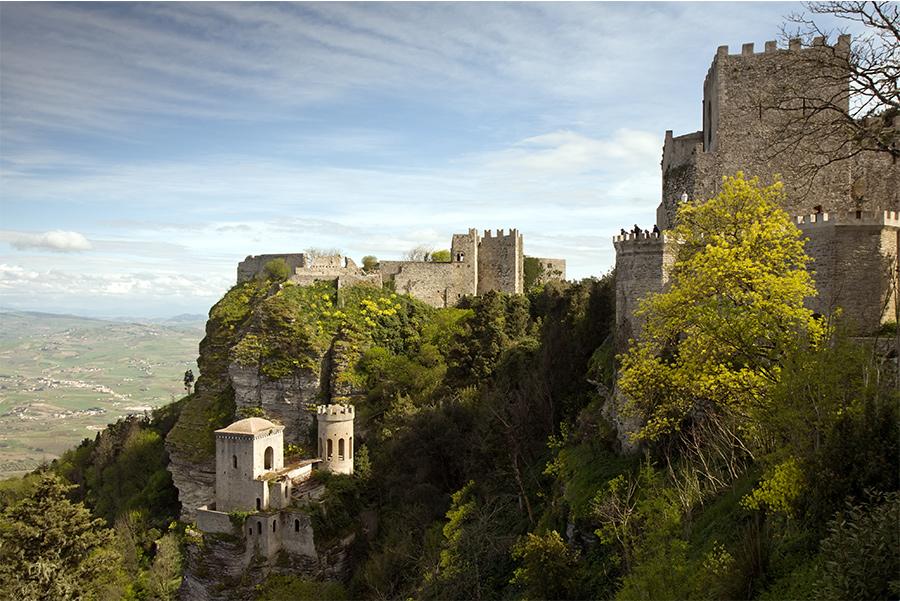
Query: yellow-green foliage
x: 715, y: 341
x: 779, y: 491
x: 212, y: 405
x: 549, y: 568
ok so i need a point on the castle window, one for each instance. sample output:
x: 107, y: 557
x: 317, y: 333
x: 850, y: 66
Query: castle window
x: 250, y: 531
x: 268, y: 458
x: 330, y: 449
x: 296, y: 525
x: 258, y: 524
x: 234, y: 461
x: 351, y: 447
x: 273, y: 526
x: 460, y: 257
x: 258, y: 504
x: 341, y: 449
x: 287, y: 491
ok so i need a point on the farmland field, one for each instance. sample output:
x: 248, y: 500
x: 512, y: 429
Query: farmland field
x: 63, y: 378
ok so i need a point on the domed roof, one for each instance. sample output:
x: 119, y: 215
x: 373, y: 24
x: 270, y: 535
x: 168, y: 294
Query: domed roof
x: 250, y: 425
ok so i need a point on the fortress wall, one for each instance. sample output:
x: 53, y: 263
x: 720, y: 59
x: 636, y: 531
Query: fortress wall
x: 253, y: 265
x: 261, y: 537
x: 551, y: 269
x: 432, y: 283
x: 297, y: 534
x: 501, y: 262
x: 853, y: 262
x: 643, y: 265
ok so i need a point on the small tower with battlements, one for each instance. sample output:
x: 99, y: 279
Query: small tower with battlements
x: 335, y: 424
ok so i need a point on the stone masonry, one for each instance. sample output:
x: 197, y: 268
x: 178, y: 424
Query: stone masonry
x: 849, y: 208
x: 478, y: 264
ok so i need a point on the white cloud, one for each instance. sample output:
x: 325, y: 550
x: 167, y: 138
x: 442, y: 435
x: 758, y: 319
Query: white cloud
x: 21, y: 282
x: 568, y: 152
x: 55, y: 240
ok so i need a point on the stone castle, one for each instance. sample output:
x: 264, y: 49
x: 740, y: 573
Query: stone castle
x: 478, y: 264
x: 252, y: 480
x: 848, y: 209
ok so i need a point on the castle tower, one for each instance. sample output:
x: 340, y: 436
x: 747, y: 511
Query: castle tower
x: 501, y: 262
x: 643, y: 266
x: 246, y: 450
x: 464, y: 257
x: 741, y: 128
x: 336, y: 438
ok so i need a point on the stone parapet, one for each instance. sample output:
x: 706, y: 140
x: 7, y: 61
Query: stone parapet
x: 853, y: 218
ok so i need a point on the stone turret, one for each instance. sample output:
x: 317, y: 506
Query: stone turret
x: 336, y: 438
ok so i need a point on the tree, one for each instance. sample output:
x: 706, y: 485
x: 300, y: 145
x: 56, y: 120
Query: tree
x: 369, y: 263
x: 418, y: 253
x: 277, y: 269
x: 549, y: 567
x: 714, y: 343
x: 314, y: 251
x: 852, y: 102
x: 440, y: 256
x: 51, y: 548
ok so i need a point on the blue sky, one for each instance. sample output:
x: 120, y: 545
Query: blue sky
x: 146, y: 148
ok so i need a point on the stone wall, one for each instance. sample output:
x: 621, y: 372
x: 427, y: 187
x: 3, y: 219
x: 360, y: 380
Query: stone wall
x: 438, y: 284
x: 253, y: 265
x: 643, y: 265
x: 501, y: 262
x: 551, y: 269
x: 477, y: 265
x: 854, y: 265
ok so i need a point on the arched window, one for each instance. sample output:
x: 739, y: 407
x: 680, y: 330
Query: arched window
x: 258, y: 504
x: 268, y: 458
x: 234, y: 461
x: 258, y: 526
x: 296, y: 525
x: 330, y: 446
x: 341, y: 449
x: 351, y: 447
x: 273, y: 526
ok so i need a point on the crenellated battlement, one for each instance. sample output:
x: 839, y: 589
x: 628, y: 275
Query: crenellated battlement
x: 329, y: 412
x: 794, y: 45
x: 642, y: 238
x: 852, y: 218
x: 513, y: 234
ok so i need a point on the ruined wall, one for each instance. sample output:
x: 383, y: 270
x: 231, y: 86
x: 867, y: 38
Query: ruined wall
x: 253, y: 265
x: 551, y: 269
x: 643, y: 266
x: 438, y: 284
x: 501, y: 262
x: 854, y: 265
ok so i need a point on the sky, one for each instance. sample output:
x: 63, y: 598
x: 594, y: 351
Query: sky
x: 146, y: 149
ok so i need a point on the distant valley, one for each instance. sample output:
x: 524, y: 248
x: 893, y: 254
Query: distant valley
x: 63, y: 377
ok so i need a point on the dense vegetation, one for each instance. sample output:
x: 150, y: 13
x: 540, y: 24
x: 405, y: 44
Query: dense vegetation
x: 768, y: 465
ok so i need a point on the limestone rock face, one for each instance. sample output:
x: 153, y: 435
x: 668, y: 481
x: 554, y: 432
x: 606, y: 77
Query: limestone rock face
x: 226, y: 568
x: 195, y: 481
x: 283, y: 400
x: 612, y: 410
